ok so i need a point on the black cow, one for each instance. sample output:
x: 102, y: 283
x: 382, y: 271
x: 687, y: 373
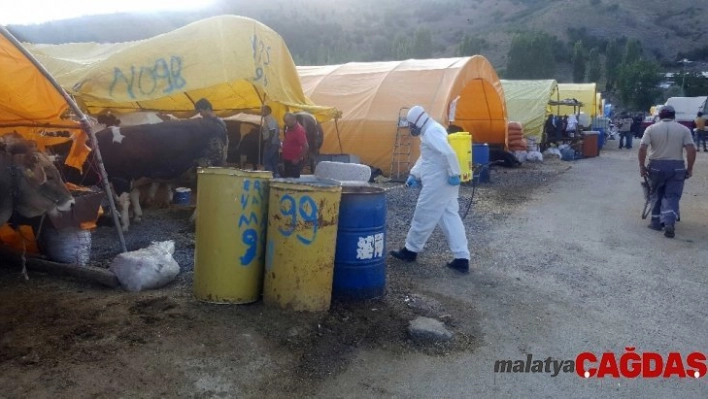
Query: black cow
x: 161, y: 152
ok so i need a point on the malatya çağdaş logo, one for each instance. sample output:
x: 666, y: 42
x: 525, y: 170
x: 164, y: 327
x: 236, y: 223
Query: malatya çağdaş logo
x: 630, y: 364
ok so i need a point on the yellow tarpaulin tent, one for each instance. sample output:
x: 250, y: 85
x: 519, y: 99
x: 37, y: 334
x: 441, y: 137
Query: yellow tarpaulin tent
x: 370, y: 96
x: 583, y: 92
x: 236, y: 63
x: 527, y: 103
x: 29, y: 105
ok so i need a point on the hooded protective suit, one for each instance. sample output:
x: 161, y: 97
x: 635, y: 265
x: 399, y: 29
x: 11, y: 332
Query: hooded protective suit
x: 438, y: 200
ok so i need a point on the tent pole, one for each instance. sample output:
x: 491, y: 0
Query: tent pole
x: 260, y: 132
x: 84, y: 125
x: 336, y: 127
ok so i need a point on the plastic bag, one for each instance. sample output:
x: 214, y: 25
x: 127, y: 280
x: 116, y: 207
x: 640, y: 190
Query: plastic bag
x: 521, y: 155
x: 552, y: 152
x: 568, y: 154
x: 534, y: 156
x: 147, y: 268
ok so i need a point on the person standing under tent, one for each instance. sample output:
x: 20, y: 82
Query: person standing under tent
x: 218, y: 146
x: 295, y: 147
x: 438, y: 171
x: 271, y: 141
x: 664, y: 142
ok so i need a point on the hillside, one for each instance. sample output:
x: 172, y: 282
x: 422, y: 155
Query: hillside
x: 328, y: 31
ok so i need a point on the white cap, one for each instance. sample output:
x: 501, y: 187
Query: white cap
x: 417, y: 116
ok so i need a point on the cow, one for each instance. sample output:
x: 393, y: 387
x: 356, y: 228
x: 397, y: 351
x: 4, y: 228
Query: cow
x: 160, y: 152
x: 30, y: 184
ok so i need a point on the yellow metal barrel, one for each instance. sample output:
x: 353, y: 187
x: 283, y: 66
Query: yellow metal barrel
x: 302, y: 235
x: 462, y: 144
x: 229, y: 256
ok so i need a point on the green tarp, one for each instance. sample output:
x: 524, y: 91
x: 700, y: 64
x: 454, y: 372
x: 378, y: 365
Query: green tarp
x: 527, y: 103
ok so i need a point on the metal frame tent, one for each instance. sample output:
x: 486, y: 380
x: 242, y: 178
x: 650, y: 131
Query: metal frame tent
x: 30, y: 122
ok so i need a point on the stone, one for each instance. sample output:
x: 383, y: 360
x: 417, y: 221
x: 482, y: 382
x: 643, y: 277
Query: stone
x: 425, y: 329
x: 426, y: 306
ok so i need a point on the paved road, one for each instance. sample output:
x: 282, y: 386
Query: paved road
x: 575, y: 270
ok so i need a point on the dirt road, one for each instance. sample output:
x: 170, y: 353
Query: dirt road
x: 574, y: 270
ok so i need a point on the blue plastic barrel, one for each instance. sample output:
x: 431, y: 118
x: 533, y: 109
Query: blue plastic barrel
x: 182, y: 196
x: 480, y: 156
x: 359, y: 259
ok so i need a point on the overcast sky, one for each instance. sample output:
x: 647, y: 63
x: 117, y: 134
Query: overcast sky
x: 36, y: 11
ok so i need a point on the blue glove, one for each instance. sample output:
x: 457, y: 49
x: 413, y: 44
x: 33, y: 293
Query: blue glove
x: 412, y: 182
x: 453, y: 180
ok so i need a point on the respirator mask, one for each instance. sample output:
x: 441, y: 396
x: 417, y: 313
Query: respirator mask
x: 415, y: 130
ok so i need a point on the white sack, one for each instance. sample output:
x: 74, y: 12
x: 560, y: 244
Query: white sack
x: 521, y: 155
x: 147, y: 268
x: 534, y: 156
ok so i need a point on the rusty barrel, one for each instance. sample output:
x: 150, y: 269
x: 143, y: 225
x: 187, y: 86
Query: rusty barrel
x: 229, y: 255
x: 302, y: 234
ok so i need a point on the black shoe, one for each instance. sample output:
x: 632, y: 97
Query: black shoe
x: 669, y: 232
x: 460, y: 265
x: 405, y: 255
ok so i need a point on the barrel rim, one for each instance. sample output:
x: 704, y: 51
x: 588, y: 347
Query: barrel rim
x: 229, y: 171
x: 365, y: 190
x: 305, y: 185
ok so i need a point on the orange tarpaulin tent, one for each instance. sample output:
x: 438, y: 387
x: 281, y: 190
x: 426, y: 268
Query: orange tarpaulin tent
x: 29, y: 105
x: 370, y: 96
x: 35, y: 106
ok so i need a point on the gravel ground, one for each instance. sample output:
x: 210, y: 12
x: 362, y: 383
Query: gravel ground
x: 492, y: 201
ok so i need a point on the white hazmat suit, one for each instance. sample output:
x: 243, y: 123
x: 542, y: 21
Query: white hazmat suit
x: 438, y: 201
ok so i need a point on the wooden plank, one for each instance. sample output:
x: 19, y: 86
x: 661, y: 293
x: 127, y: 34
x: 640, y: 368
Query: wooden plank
x: 96, y: 274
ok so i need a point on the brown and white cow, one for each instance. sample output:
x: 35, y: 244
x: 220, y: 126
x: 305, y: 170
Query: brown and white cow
x: 160, y: 152
x: 30, y: 184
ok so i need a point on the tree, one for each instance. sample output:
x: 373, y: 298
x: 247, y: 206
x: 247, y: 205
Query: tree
x: 471, y: 46
x: 531, y: 57
x: 638, y: 83
x: 401, y: 49
x: 594, y: 66
x: 613, y: 60
x: 674, y: 91
x: 422, y: 44
x: 578, y: 62
x: 633, y: 51
x: 694, y: 84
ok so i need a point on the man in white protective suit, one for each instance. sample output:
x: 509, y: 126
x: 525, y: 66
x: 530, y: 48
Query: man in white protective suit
x: 438, y: 171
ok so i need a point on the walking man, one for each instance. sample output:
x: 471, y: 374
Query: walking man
x: 664, y: 142
x: 438, y: 171
x: 294, y: 147
x: 625, y: 129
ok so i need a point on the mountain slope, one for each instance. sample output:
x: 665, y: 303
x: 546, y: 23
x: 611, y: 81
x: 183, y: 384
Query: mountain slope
x: 329, y: 31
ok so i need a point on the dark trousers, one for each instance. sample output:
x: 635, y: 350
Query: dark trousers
x: 626, y: 138
x: 667, y: 178
x: 702, y: 136
x: 270, y: 159
x: 292, y: 169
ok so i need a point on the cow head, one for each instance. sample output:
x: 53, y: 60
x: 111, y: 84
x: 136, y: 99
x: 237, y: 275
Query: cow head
x: 35, y: 183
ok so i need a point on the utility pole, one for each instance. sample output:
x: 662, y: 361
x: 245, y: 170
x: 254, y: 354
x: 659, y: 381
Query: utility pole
x: 683, y: 63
